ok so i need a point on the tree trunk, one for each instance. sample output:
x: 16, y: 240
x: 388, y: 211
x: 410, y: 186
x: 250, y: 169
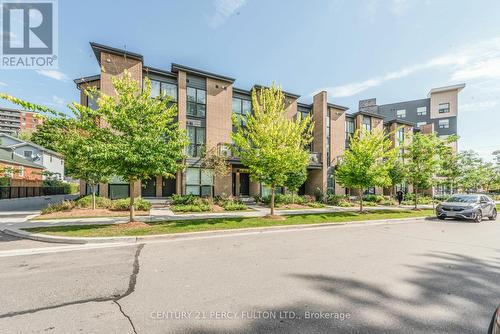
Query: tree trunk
x: 93, y: 196
x: 360, y: 200
x: 272, y: 200
x: 132, y: 209
x: 415, y: 192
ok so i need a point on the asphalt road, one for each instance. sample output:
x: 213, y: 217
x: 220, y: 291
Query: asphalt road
x: 412, y: 277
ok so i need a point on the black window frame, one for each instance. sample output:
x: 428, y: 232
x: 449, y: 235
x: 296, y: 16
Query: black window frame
x: 196, y: 103
x: 198, y: 148
x: 444, y: 110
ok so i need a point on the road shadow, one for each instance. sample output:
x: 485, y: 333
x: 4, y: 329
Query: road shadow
x: 451, y: 293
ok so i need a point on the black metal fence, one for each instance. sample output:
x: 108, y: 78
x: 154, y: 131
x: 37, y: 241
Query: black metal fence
x: 23, y: 192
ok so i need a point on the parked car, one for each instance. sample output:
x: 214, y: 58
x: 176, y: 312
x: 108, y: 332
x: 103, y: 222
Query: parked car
x: 495, y: 322
x: 467, y: 206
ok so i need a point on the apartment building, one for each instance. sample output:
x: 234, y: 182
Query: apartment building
x: 206, y: 102
x: 13, y: 121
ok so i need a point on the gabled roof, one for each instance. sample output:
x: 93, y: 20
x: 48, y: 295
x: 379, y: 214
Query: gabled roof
x: 22, y: 143
x: 7, y: 156
x: 176, y: 67
x: 10, y: 137
x: 98, y: 48
x: 458, y: 87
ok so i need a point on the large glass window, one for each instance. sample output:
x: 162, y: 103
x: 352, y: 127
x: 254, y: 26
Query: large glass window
x: 196, y: 102
x: 196, y: 137
x: 169, y: 90
x: 401, y: 113
x: 444, y: 123
x: 242, y: 108
x: 199, y: 181
x: 367, y: 123
x: 420, y: 124
x: 349, y: 131
x: 421, y: 111
x: 155, y: 88
x: 444, y: 108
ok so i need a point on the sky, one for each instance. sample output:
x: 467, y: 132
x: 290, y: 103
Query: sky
x: 393, y: 50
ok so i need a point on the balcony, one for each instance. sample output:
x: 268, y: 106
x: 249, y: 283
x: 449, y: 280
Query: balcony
x: 315, y: 159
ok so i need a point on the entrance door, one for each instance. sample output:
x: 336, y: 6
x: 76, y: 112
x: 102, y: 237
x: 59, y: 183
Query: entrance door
x: 244, y: 184
x: 168, y: 187
x: 149, y: 188
x: 233, y: 178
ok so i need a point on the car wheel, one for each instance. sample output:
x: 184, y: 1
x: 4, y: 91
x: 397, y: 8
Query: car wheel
x: 441, y: 217
x: 479, y: 216
x: 493, y: 215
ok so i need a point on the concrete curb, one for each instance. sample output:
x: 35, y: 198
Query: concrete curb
x: 190, y: 235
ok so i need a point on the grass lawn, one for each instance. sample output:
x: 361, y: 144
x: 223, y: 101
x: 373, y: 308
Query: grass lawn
x: 87, y: 213
x: 195, y: 225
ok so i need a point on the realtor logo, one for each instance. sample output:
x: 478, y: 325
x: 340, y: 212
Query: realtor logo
x: 29, y: 34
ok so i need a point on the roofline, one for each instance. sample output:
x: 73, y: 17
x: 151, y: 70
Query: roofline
x: 457, y: 87
x: 400, y: 121
x: 89, y: 78
x: 22, y: 162
x: 176, y: 67
x: 336, y: 106
x: 158, y: 71
x: 409, y: 101
x: 304, y: 105
x: 368, y: 114
x: 242, y: 91
x: 18, y: 110
x: 23, y: 142
x: 98, y: 48
x: 295, y: 96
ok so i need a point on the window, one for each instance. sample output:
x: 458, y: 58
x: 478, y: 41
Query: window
x: 196, y: 102
x: 421, y: 111
x: 196, y: 136
x: 444, y: 108
x: 444, y: 123
x: 169, y: 90
x: 242, y: 108
x: 20, y: 171
x: 28, y: 154
x: 199, y: 181
x: 155, y: 88
x: 400, y: 136
x: 367, y: 123
x: 8, y: 171
x: 419, y: 124
x: 92, y: 102
x: 401, y: 113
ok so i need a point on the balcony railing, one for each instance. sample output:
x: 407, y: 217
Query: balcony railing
x: 315, y: 158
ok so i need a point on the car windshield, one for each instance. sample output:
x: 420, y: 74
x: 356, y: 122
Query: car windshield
x: 463, y: 199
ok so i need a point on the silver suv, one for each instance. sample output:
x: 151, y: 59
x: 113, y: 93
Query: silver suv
x: 474, y: 207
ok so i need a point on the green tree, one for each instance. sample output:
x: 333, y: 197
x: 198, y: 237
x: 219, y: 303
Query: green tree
x: 271, y: 145
x: 450, y: 169
x: 295, y: 180
x: 397, y: 174
x: 470, y: 170
x: 423, y: 159
x: 367, y: 162
x: 145, y: 140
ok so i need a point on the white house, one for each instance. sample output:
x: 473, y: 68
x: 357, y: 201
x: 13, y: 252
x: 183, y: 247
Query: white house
x: 51, y: 161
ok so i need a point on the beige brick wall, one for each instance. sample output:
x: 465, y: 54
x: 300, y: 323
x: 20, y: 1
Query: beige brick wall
x: 337, y: 140
x: 290, y: 107
x: 219, y: 109
x: 114, y: 66
x: 317, y: 178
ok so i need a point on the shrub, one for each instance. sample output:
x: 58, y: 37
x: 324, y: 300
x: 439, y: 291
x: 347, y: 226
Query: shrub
x: 387, y: 202
x: 190, y: 208
x: 234, y: 206
x: 369, y: 204
x: 123, y: 204
x: 85, y: 202
x: 57, y: 207
x: 335, y: 199
x: 183, y: 199
x: 373, y: 198
x: 318, y: 195
x: 315, y: 205
x: 345, y: 204
x: 71, y: 188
